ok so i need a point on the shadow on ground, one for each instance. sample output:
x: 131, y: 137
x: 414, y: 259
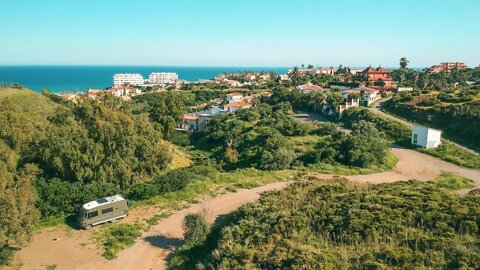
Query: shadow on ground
x: 164, y: 242
x: 72, y: 222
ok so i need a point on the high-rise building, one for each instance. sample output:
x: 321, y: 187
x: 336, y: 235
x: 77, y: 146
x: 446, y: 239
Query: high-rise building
x: 127, y: 78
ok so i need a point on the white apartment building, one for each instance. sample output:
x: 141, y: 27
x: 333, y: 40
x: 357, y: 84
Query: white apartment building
x: 127, y: 78
x: 162, y: 77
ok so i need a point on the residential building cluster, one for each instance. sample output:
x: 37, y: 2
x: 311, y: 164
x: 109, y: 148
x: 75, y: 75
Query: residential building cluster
x: 446, y: 67
x: 123, y: 92
x: 197, y: 121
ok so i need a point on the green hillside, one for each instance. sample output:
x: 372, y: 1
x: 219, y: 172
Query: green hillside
x: 35, y: 106
x: 340, y: 225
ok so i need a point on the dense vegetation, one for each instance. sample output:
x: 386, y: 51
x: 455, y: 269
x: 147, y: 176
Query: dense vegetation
x: 18, y: 214
x: 456, y: 112
x: 395, y: 131
x: 53, y: 161
x: 339, y: 225
x: 266, y: 137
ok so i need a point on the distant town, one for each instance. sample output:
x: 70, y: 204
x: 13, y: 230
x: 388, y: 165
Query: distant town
x: 357, y: 86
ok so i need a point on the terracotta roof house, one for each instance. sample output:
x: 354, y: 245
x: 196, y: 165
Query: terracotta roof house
x: 308, y: 88
x: 188, y: 123
x: 235, y: 106
x: 375, y: 75
x: 234, y: 97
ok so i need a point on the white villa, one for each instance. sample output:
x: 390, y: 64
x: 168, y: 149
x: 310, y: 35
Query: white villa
x: 367, y: 95
x: 234, y: 97
x: 426, y: 137
x: 127, y: 78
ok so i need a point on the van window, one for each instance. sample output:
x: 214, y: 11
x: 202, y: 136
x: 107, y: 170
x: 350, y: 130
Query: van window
x: 107, y: 210
x: 92, y: 214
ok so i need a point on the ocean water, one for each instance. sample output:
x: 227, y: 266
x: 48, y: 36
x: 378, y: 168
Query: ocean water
x: 68, y: 78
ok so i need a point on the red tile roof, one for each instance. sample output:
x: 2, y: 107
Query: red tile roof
x: 238, y: 105
x: 190, y: 117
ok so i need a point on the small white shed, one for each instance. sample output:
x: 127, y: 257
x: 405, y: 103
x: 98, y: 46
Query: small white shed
x: 426, y: 137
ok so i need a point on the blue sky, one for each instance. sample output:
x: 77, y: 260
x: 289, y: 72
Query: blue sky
x: 238, y: 33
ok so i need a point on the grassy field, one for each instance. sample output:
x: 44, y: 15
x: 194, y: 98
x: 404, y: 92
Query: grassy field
x: 180, y: 158
x: 454, y: 154
x: 115, y: 238
x: 33, y: 104
x: 390, y: 162
x: 214, y: 184
x: 453, y: 182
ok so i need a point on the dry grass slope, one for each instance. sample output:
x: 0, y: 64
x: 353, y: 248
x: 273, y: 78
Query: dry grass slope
x: 35, y: 105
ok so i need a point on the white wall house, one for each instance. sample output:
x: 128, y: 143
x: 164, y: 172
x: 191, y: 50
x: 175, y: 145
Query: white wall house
x: 162, y: 77
x: 127, y: 78
x: 190, y: 122
x: 234, y: 97
x: 370, y: 96
x: 426, y: 137
x: 235, y: 106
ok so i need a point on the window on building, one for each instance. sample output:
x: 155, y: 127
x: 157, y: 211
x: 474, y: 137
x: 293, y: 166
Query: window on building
x: 415, y: 138
x: 107, y: 210
x: 92, y: 214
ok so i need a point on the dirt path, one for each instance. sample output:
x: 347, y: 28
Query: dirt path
x: 150, y: 252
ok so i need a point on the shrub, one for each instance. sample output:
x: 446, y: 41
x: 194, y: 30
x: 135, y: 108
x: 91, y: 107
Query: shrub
x: 196, y: 229
x: 118, y: 237
x: 58, y: 197
x: 6, y: 254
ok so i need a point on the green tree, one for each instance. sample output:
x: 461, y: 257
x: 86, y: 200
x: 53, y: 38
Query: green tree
x: 166, y: 110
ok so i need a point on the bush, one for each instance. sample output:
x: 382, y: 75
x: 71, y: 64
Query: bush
x: 118, y: 237
x: 196, y: 229
x: 453, y: 182
x: 58, y: 197
x: 311, y: 224
x: 395, y: 131
x: 6, y: 254
x: 170, y: 181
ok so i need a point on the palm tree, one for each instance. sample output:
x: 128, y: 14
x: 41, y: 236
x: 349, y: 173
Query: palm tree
x: 415, y: 76
x: 403, y: 65
x: 294, y: 75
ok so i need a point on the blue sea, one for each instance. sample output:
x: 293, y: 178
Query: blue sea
x: 68, y: 78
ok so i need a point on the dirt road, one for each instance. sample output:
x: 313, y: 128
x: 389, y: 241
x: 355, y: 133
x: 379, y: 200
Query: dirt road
x: 152, y: 250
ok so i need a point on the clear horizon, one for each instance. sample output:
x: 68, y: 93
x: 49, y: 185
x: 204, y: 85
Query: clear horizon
x: 216, y: 33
